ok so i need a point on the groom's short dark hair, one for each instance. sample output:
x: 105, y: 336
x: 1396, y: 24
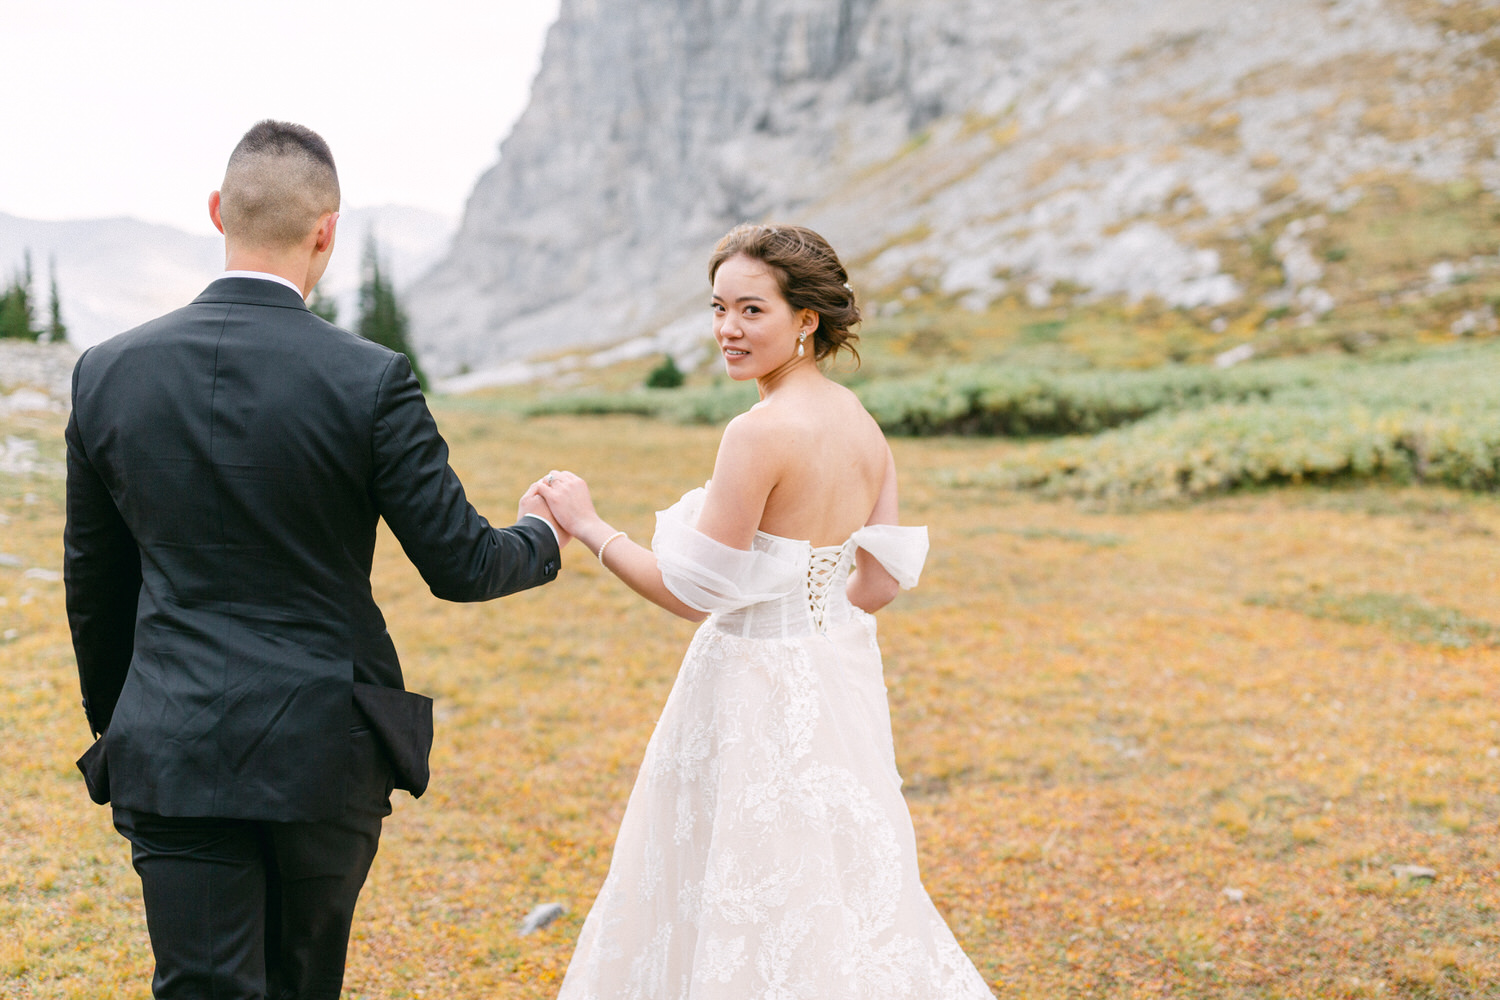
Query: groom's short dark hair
x: 280, y: 180
x: 283, y: 138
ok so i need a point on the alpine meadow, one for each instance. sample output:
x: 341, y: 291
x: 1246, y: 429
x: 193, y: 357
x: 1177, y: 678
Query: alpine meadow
x: 1236, y: 742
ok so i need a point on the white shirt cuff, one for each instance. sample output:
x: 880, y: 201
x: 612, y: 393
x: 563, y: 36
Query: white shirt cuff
x: 548, y: 524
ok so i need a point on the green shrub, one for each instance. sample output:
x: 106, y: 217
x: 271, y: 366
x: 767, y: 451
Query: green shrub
x: 1227, y: 447
x: 1180, y: 431
x: 638, y: 403
x: 1017, y: 402
x: 1430, y: 418
x: 1411, y: 619
x: 712, y: 404
x: 665, y: 375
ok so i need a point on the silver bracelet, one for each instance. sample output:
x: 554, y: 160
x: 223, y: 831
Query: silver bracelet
x: 600, y: 553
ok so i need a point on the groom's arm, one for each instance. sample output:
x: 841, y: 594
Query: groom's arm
x: 102, y: 570
x: 458, y: 553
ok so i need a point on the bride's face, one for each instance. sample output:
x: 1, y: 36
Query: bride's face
x: 755, y: 327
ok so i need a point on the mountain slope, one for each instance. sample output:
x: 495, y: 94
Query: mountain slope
x: 968, y: 148
x: 113, y: 274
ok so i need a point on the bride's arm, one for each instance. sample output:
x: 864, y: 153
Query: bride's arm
x: 871, y: 587
x: 567, y: 497
x: 636, y: 565
x: 746, y: 469
x: 744, y: 473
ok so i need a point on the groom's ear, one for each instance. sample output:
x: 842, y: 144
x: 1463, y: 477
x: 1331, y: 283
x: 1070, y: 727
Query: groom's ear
x: 327, y: 229
x: 213, y: 211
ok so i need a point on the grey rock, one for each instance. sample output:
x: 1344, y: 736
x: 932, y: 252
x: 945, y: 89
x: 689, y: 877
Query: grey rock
x: 542, y: 915
x: 1234, y: 356
x: 1412, y: 873
x: 30, y: 401
x: 19, y: 456
x: 31, y: 368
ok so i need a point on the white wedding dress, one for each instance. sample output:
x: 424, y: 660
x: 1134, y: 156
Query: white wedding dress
x: 766, y: 852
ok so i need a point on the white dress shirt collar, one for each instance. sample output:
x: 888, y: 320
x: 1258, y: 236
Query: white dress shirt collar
x: 264, y: 276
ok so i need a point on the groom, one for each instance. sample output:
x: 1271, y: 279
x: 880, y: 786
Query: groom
x: 227, y: 465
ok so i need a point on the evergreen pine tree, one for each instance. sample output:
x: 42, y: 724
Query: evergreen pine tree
x: 17, y: 314
x: 322, y: 306
x: 10, y: 311
x: 56, y: 331
x: 381, y: 317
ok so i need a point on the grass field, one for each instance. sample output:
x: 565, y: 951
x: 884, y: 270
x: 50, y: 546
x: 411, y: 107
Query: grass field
x: 1167, y: 752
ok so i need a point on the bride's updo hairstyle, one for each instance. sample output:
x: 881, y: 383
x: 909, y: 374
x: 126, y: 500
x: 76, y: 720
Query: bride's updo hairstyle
x: 809, y: 275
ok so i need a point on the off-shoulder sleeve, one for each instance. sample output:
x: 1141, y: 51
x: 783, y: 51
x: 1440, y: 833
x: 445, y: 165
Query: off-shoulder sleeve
x: 901, y: 550
x: 708, y: 575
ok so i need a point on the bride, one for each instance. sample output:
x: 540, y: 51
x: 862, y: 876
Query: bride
x: 766, y: 851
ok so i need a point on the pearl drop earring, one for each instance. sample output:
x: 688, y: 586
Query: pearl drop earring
x: 800, y: 339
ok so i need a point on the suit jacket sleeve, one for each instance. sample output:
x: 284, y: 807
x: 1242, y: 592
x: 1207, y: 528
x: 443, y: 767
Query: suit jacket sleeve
x: 102, y: 570
x: 458, y: 554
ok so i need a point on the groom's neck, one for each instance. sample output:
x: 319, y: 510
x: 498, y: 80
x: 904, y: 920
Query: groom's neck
x: 293, y: 263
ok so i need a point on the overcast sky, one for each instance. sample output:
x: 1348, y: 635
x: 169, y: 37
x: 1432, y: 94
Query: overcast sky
x: 130, y: 107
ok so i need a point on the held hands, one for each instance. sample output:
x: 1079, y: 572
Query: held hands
x: 532, y: 503
x: 567, y: 499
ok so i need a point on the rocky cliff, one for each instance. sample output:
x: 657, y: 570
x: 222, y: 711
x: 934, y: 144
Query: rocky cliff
x: 969, y: 148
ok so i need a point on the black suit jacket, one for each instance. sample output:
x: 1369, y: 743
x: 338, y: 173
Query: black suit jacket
x: 227, y: 464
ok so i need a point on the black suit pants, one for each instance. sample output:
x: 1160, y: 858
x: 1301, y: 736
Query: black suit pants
x: 257, y: 910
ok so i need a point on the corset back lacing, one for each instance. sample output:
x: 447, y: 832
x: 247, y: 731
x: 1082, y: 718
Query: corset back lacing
x: 822, y: 571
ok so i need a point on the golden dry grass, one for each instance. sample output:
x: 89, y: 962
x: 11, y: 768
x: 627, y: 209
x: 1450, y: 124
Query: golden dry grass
x: 1134, y: 767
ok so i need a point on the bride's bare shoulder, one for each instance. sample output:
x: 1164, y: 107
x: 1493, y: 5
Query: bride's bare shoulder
x: 789, y: 420
x: 844, y: 410
x: 759, y: 420
x: 755, y: 435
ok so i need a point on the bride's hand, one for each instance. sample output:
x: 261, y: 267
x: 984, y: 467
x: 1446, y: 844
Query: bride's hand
x: 567, y: 496
x: 532, y: 503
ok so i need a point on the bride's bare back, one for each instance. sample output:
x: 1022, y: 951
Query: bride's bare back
x: 808, y: 457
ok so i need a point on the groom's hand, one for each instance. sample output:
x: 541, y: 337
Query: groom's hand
x: 533, y: 505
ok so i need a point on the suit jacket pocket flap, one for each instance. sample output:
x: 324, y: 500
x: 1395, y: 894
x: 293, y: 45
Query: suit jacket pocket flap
x: 95, y: 767
x: 402, y: 722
